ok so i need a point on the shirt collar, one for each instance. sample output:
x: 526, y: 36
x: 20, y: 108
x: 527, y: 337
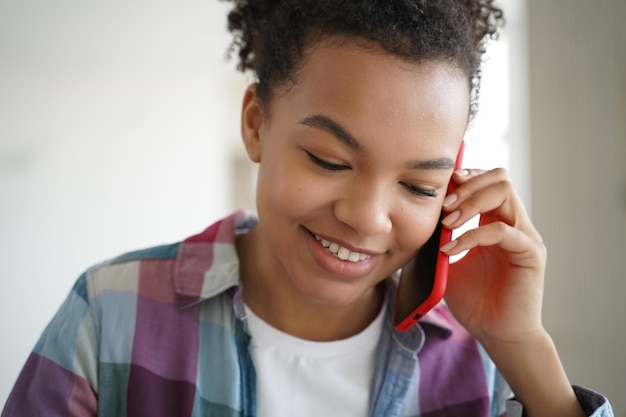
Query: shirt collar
x: 207, y: 263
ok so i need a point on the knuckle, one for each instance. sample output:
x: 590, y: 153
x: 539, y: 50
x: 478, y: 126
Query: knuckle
x: 501, y: 173
x: 501, y: 227
x: 505, y: 185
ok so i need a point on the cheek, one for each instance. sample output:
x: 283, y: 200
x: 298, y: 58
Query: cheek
x: 291, y: 189
x: 415, y: 225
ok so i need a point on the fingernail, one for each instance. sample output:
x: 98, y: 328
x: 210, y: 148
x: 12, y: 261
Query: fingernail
x: 448, y: 246
x: 462, y: 172
x: 451, y: 218
x: 450, y: 198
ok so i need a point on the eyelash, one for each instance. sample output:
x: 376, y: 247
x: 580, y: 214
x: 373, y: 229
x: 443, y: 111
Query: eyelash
x: 420, y: 192
x: 326, y: 165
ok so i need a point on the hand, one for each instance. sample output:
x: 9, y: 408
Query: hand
x: 496, y: 290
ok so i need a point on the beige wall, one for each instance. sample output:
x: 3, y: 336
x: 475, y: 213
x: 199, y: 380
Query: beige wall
x: 577, y: 52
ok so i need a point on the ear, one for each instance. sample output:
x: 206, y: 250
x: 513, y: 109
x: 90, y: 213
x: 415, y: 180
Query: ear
x: 251, y: 123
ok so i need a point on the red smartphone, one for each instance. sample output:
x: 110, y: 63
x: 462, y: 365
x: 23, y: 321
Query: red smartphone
x: 417, y: 296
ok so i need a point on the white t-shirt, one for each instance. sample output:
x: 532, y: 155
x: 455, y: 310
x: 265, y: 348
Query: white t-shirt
x: 297, y: 377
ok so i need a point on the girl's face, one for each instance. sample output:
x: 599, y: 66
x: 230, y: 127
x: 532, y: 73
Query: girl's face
x: 354, y: 163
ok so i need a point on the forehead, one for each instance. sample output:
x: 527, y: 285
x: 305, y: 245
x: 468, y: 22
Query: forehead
x: 371, y: 91
x: 343, y: 59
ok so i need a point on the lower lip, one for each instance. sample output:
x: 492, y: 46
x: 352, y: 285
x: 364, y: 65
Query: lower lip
x: 330, y: 263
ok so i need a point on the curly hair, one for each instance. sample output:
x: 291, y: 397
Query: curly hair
x: 272, y: 36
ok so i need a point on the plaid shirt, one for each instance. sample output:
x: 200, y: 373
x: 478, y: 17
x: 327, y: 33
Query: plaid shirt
x: 162, y: 332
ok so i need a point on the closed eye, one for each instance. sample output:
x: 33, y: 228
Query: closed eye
x: 423, y: 192
x: 326, y: 165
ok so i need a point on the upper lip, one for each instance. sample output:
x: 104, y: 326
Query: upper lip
x: 346, y: 245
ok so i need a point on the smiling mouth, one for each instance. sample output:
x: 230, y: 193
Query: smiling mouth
x: 340, y: 252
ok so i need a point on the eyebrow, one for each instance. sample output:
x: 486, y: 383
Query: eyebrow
x: 322, y: 122
x: 428, y: 164
x: 327, y: 124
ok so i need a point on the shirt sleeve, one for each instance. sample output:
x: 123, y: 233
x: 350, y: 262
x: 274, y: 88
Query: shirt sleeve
x: 594, y: 404
x: 60, y: 375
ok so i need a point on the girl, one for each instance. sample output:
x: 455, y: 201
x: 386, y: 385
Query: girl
x: 355, y: 119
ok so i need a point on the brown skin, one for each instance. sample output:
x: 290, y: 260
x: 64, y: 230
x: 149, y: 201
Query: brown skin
x: 380, y: 198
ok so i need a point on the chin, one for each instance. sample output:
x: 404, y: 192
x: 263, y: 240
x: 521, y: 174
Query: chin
x: 335, y: 296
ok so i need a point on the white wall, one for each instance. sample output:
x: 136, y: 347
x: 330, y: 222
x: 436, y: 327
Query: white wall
x: 117, y: 121
x: 578, y: 147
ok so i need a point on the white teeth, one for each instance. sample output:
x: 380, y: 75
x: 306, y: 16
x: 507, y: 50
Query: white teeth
x: 340, y: 252
x: 343, y: 254
x: 354, y: 256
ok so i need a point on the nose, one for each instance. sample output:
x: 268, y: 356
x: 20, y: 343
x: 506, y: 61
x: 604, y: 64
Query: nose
x: 365, y: 207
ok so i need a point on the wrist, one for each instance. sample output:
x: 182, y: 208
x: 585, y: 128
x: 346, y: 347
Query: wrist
x: 535, y: 373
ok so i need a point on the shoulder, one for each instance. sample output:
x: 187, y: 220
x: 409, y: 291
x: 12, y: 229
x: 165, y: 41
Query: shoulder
x: 123, y: 273
x: 170, y: 273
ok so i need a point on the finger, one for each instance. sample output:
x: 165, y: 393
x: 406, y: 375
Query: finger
x: 477, y: 200
x: 494, y: 200
x: 463, y: 175
x: 489, y: 193
x: 521, y: 249
x: 469, y: 181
